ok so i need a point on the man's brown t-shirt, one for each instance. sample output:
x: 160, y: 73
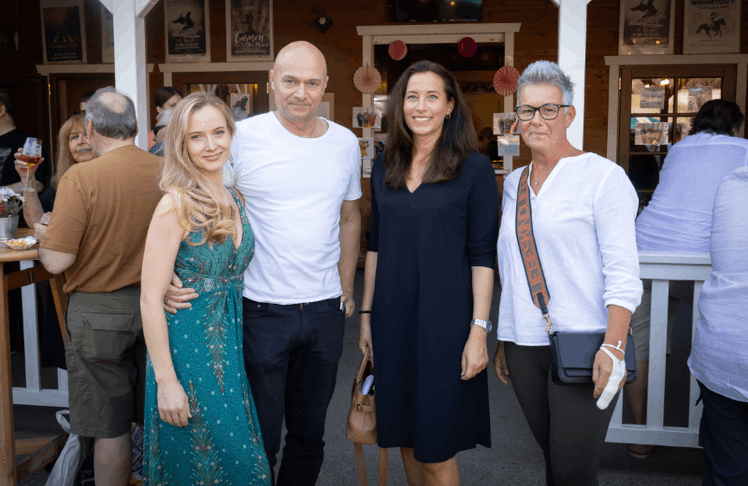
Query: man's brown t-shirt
x: 102, y: 212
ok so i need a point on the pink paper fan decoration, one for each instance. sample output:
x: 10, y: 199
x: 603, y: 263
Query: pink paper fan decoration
x: 505, y: 80
x: 398, y: 50
x: 367, y: 79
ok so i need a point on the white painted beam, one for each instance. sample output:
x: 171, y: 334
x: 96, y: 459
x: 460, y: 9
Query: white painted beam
x: 572, y: 50
x: 142, y: 7
x: 109, y: 4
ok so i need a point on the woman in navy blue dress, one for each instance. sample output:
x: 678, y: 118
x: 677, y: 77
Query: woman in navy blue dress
x: 429, y: 277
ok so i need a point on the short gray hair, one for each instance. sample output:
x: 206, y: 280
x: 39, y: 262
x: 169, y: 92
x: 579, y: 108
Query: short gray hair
x: 547, y: 72
x: 109, y: 121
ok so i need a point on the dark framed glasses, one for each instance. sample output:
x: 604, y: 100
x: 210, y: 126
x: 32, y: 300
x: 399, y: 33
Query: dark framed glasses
x: 548, y: 111
x: 76, y: 112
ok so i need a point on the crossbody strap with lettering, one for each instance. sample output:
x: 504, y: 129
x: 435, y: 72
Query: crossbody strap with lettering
x: 528, y: 250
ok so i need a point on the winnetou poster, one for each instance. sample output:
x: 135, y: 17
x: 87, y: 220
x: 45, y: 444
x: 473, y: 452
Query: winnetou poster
x: 711, y: 26
x: 249, y: 28
x: 646, y: 27
x: 63, y: 32
x: 187, y: 31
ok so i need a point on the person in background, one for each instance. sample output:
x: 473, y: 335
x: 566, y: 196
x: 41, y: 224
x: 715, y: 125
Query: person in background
x: 160, y: 133
x: 583, y: 210
x: 484, y: 137
x: 678, y: 219
x: 166, y: 97
x: 84, y: 100
x: 200, y: 231
x: 718, y: 358
x: 300, y: 177
x: 72, y: 148
x: 429, y: 278
x: 96, y: 236
x: 11, y: 139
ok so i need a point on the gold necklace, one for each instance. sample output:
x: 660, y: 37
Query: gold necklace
x: 554, y: 165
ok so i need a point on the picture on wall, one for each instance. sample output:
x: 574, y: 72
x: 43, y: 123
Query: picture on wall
x: 249, y: 28
x: 366, y: 117
x: 63, y: 31
x: 107, y: 36
x: 711, y: 26
x: 646, y: 27
x: 187, y: 31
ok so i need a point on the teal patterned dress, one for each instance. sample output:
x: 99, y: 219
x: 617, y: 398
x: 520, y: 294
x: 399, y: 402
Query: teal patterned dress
x: 221, y: 445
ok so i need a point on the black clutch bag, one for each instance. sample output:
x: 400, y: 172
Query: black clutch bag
x: 572, y: 353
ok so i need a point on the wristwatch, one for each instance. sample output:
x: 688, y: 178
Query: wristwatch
x: 486, y: 325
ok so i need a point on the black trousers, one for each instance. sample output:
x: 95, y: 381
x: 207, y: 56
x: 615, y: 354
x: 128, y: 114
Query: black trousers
x: 291, y: 354
x: 566, y: 423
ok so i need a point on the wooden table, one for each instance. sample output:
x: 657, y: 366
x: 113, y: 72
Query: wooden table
x: 10, y: 471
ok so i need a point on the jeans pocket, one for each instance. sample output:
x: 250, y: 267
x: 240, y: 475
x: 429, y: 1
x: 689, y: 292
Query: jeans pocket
x: 255, y: 307
x: 335, y: 304
x: 106, y: 337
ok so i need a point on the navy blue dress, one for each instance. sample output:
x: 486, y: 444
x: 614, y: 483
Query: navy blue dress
x: 426, y: 242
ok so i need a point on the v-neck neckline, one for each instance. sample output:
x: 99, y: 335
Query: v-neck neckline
x: 550, y: 177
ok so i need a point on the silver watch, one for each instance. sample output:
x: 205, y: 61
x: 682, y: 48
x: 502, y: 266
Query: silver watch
x: 486, y: 325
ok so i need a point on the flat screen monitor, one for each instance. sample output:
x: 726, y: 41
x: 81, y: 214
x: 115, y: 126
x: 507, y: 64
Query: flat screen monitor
x: 435, y: 10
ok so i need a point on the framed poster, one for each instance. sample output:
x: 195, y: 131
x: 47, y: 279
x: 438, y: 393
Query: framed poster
x: 107, y: 36
x: 187, y: 31
x: 63, y: 32
x: 249, y: 30
x: 711, y: 26
x: 646, y: 27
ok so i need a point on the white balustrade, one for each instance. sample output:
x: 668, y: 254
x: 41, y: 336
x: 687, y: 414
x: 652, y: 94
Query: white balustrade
x: 663, y: 267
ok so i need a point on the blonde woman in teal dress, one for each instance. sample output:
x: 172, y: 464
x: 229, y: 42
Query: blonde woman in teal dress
x: 200, y: 419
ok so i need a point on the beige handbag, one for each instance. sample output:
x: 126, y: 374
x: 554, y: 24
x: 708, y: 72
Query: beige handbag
x: 361, y: 426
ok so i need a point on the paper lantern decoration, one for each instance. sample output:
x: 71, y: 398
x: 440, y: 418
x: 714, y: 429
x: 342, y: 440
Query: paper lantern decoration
x: 467, y: 46
x: 505, y: 80
x: 367, y: 79
x: 398, y: 50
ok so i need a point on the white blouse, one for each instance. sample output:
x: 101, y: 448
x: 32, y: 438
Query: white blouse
x: 583, y: 221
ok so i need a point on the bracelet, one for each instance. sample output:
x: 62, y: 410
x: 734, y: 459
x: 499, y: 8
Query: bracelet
x: 364, y: 312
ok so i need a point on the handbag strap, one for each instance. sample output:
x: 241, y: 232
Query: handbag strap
x: 528, y: 250
x: 362, y: 368
x: 361, y: 465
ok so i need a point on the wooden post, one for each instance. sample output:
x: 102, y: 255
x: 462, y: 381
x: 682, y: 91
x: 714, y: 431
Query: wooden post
x: 7, y: 434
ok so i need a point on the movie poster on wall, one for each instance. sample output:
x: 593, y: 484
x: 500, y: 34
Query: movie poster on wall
x: 646, y: 27
x: 187, y: 31
x: 249, y: 27
x: 63, y: 31
x: 107, y: 36
x: 711, y: 26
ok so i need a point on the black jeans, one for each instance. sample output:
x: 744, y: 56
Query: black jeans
x: 724, y: 436
x: 566, y: 423
x: 291, y: 353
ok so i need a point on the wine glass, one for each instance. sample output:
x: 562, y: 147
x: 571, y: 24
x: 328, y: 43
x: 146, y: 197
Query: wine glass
x: 32, y: 155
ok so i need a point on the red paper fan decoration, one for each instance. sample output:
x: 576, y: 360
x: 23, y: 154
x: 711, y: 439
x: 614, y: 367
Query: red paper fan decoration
x: 467, y: 46
x: 398, y: 50
x: 505, y: 80
x: 367, y: 79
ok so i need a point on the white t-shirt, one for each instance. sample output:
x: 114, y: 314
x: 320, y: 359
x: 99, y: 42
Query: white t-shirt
x: 583, y: 221
x: 293, y: 188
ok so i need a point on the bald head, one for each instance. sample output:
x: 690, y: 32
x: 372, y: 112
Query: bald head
x: 296, y: 52
x: 112, y: 114
x: 299, y: 80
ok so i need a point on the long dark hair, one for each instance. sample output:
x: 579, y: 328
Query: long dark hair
x: 164, y: 94
x: 718, y: 117
x: 456, y: 142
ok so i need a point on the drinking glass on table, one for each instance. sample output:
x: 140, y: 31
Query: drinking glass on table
x: 32, y: 155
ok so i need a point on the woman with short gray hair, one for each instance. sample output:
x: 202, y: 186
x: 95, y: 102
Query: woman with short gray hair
x: 582, y: 215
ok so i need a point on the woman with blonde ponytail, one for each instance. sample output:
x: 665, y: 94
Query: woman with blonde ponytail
x: 200, y: 419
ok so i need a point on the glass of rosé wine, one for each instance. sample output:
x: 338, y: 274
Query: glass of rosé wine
x: 32, y: 155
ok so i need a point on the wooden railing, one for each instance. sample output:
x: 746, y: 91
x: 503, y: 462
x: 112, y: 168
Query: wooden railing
x: 663, y: 267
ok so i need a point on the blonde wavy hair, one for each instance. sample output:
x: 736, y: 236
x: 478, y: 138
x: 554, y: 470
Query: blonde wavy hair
x: 64, y: 158
x: 197, y: 209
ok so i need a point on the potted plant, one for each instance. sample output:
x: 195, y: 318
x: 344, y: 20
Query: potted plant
x: 10, y: 205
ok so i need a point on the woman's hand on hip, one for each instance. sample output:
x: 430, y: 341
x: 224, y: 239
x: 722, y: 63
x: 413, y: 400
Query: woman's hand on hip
x: 475, y: 354
x: 173, y: 405
x: 364, y: 336
x: 499, y: 365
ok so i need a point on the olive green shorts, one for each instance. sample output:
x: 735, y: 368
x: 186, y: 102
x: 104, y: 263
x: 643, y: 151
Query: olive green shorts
x: 105, y: 354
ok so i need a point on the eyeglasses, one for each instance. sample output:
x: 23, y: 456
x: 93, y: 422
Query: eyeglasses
x: 548, y: 111
x: 76, y: 112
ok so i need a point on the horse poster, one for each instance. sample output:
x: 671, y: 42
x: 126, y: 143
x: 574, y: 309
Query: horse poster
x: 249, y: 30
x: 63, y: 31
x: 646, y: 27
x: 711, y: 26
x: 187, y: 31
